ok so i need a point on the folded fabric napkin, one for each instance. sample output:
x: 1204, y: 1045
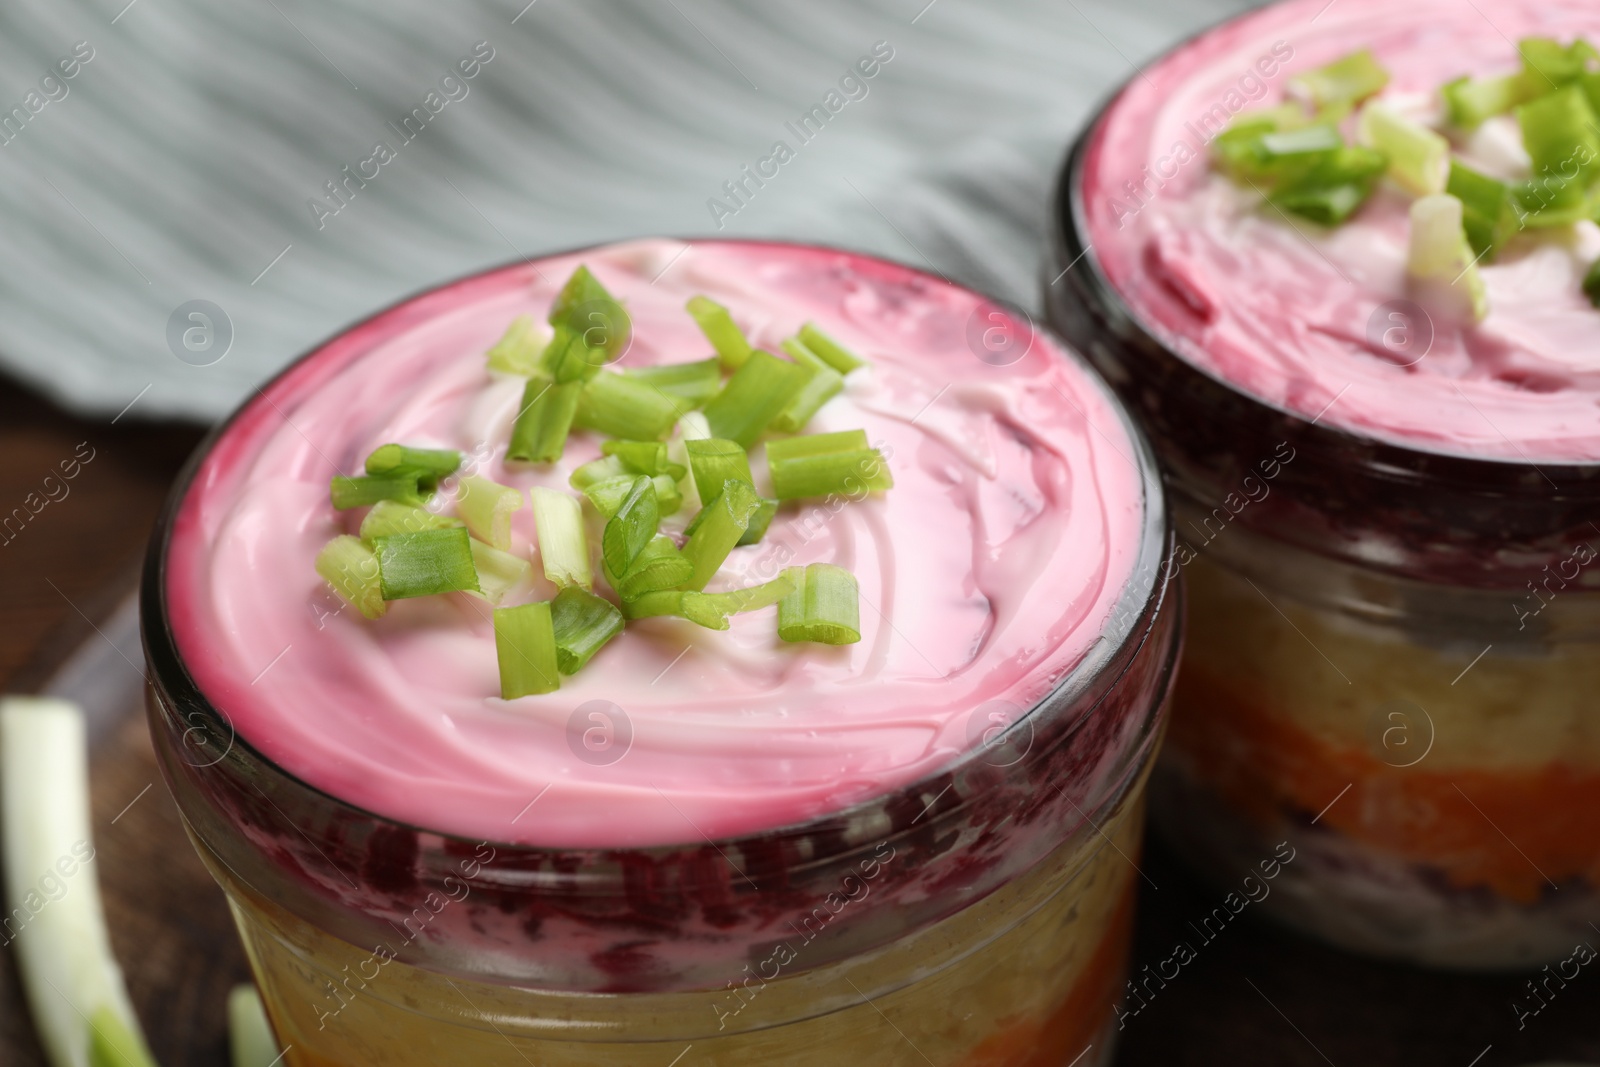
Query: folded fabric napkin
x: 196, y: 191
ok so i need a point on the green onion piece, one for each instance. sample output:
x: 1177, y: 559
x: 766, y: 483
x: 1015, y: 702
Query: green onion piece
x: 693, y: 383
x: 347, y: 493
x: 751, y: 598
x: 1591, y: 283
x: 718, y: 529
x: 1547, y: 64
x: 1470, y: 101
x: 427, y: 465
x: 832, y: 352
x: 1334, y: 187
x: 1270, y: 158
x: 250, y: 1040
x: 1350, y: 79
x: 659, y: 566
x: 392, y: 517
x: 582, y: 623
x: 764, y: 386
x: 608, y: 494
x: 1417, y: 155
x: 766, y: 509
x: 487, y: 508
x: 595, y: 471
x: 1488, y: 215
x: 729, y: 342
x: 425, y: 563
x: 351, y: 568
x: 714, y: 461
x: 597, y: 325
x: 58, y: 938
x: 822, y: 384
x: 621, y: 406
x: 631, y: 528
x: 563, y: 547
x: 817, y: 444
x: 824, y: 606
x: 525, y: 644
x: 498, y: 572
x: 643, y: 457
x: 837, y: 473
x: 1440, y: 261
x: 540, y: 433
x: 1559, y: 130
x: 519, y: 350
x: 668, y: 497
x: 676, y: 602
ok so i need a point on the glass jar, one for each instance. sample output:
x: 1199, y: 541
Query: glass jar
x: 980, y: 916
x: 1390, y: 659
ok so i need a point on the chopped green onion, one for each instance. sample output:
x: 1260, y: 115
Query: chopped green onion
x: 765, y: 511
x: 74, y: 988
x: 607, y: 495
x: 1417, y: 155
x: 643, y: 457
x: 1441, y: 262
x: 1350, y: 79
x: 391, y: 517
x: 718, y: 529
x: 1591, y: 283
x: 594, y: 324
x: 347, y: 493
x: 595, y: 471
x: 351, y: 568
x: 693, y: 383
x: 621, y: 406
x: 1559, y: 132
x: 1270, y: 157
x: 711, y: 610
x: 764, y: 386
x: 1488, y: 215
x: 824, y: 606
x: 1324, y: 205
x: 832, y: 352
x: 487, y: 508
x: 540, y: 433
x: 1470, y: 101
x: 817, y: 444
x: 729, y: 342
x: 519, y: 350
x: 659, y: 566
x: 426, y: 465
x: 631, y: 528
x: 1547, y: 64
x: 525, y: 645
x: 823, y: 383
x: 693, y: 427
x: 582, y: 623
x: 714, y: 461
x: 838, y: 473
x: 425, y: 563
x: 563, y: 548
x: 498, y: 572
x: 826, y: 463
x: 675, y: 602
x: 250, y: 1040
x: 668, y: 497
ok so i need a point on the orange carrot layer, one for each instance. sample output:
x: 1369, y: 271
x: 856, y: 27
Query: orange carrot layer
x: 1509, y: 831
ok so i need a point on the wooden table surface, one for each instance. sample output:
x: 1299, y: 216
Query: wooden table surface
x: 1256, y: 995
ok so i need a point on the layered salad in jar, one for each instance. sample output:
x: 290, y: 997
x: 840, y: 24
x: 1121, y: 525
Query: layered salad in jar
x: 749, y: 653
x: 1344, y: 259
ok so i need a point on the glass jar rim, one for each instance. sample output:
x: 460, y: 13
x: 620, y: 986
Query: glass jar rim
x: 1078, y: 690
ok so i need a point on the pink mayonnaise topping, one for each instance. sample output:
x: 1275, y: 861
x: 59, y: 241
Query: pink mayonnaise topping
x: 1301, y: 317
x: 986, y: 573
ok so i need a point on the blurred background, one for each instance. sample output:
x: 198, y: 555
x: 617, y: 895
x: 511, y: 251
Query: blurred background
x: 219, y: 185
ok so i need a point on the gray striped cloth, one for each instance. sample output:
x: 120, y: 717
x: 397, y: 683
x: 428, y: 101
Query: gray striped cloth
x: 293, y: 165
